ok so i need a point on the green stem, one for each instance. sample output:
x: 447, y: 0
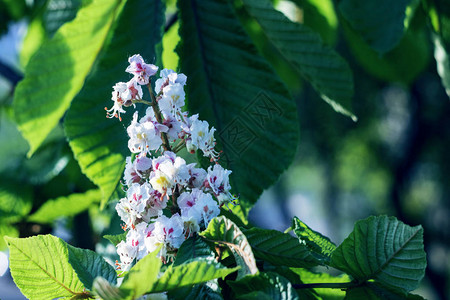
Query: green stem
x: 326, y: 285
x: 142, y: 101
x: 179, y: 146
x: 155, y: 107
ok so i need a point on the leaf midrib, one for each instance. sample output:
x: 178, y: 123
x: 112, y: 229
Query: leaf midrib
x: 44, y: 270
x: 382, y: 267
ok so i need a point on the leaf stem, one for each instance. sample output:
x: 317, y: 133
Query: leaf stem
x: 155, y: 107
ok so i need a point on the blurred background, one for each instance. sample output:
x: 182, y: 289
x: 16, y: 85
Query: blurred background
x: 394, y: 160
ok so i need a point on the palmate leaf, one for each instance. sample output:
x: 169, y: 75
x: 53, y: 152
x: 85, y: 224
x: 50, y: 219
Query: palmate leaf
x: 225, y: 232
x: 279, y: 248
x: 100, y: 144
x: 264, y: 286
x: 232, y: 87
x: 385, y: 250
x: 380, y: 23
x: 320, y: 246
x: 327, y: 72
x: 40, y: 267
x: 65, y: 206
x: 189, y: 274
x: 57, y: 71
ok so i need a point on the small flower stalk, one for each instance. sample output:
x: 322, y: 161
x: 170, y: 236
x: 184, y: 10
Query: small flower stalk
x: 167, y: 200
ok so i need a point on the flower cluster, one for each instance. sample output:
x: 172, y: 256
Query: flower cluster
x: 167, y: 200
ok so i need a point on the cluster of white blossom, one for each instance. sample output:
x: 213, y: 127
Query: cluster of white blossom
x: 158, y: 187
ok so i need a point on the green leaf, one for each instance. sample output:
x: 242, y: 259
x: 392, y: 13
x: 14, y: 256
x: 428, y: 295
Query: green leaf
x: 279, y: 248
x: 189, y: 274
x: 7, y: 230
x: 401, y: 64
x: 325, y: 293
x: 15, y: 200
x: 321, y: 247
x: 385, y: 250
x: 380, y: 23
x: 59, y: 12
x: 263, y: 286
x: 65, y: 206
x: 170, y: 40
x: 193, y: 248
x: 40, y: 267
x: 117, y: 238
x: 56, y: 72
x: 199, y: 291
x: 232, y: 87
x: 225, y: 232
x: 327, y: 72
x: 319, y: 15
x: 106, y: 291
x: 142, y: 276
x: 88, y: 265
x: 371, y: 291
x: 441, y: 54
x: 100, y: 144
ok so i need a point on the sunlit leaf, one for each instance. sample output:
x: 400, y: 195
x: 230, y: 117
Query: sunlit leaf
x: 65, y: 206
x: 56, y: 72
x: 40, y: 267
x: 189, y: 274
x: 320, y: 246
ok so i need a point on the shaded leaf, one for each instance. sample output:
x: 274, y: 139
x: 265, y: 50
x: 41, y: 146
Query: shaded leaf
x: 232, y: 87
x: 100, y: 144
x: 225, y: 232
x: 279, y: 248
x: 199, y: 291
x: 65, y: 206
x: 380, y: 23
x: 402, y: 64
x: 40, y: 267
x: 371, y: 291
x: 321, y: 247
x: 15, y: 200
x: 327, y: 72
x: 56, y: 72
x: 193, y: 248
x: 385, y: 250
x: 263, y: 286
x: 88, y: 265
